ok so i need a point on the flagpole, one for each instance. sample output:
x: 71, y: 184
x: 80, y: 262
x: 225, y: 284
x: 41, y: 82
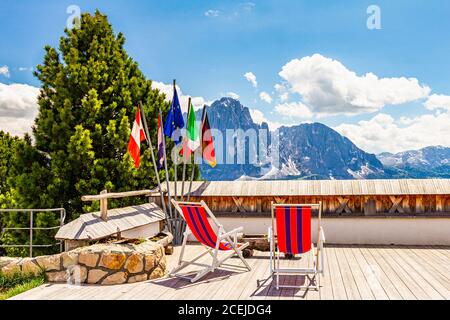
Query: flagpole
x: 165, y: 163
x: 184, y: 156
x: 176, y: 153
x: 147, y: 134
x: 201, y: 148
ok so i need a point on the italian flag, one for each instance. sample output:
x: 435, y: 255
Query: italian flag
x: 192, y: 140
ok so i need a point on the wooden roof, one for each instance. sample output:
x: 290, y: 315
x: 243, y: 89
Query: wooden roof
x: 90, y: 226
x: 316, y: 187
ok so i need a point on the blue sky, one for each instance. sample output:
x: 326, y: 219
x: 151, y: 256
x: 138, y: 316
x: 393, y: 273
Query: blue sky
x: 208, y: 46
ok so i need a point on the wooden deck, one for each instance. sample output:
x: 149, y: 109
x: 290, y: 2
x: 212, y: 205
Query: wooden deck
x: 352, y: 272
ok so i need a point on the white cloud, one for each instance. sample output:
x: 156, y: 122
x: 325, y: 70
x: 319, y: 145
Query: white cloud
x: 18, y: 107
x: 264, y: 96
x: 283, y: 94
x: 233, y: 95
x: 329, y: 88
x: 212, y: 13
x: 438, y: 101
x: 22, y: 69
x: 4, y: 71
x: 167, y: 89
x: 259, y: 117
x: 294, y: 109
x: 250, y: 76
x: 383, y: 133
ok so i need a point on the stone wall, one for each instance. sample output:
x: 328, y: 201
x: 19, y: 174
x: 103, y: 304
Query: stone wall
x: 104, y: 264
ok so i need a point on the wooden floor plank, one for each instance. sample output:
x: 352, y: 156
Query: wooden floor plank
x: 337, y: 282
x: 407, y: 278
x: 427, y: 261
x: 361, y: 282
x: 326, y: 288
x: 374, y: 282
x: 424, y: 273
x: 349, y: 282
x: 380, y: 268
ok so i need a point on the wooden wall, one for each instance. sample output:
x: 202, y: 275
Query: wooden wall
x: 335, y: 205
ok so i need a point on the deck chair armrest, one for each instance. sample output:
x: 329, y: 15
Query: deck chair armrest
x: 230, y: 233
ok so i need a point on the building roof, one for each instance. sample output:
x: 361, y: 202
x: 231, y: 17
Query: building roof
x: 90, y: 226
x: 316, y: 187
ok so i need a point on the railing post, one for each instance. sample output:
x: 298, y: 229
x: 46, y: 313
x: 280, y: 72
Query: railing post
x: 104, y: 207
x: 31, y: 234
x: 61, y: 212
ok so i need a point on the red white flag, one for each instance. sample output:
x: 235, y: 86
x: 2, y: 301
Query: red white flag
x: 137, y: 136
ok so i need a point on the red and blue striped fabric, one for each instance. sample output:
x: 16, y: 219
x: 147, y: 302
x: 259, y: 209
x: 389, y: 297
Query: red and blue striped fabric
x: 293, y: 229
x: 198, y: 223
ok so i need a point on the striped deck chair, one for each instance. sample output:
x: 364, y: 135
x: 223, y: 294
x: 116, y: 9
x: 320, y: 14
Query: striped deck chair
x: 292, y: 235
x: 196, y: 216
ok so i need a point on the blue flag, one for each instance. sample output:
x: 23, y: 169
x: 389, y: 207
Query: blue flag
x: 174, y: 120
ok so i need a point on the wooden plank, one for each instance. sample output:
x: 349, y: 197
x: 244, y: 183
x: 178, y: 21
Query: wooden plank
x: 360, y: 280
x: 406, y: 277
x: 392, y: 283
x: 424, y: 273
x: 339, y: 290
x: 347, y: 276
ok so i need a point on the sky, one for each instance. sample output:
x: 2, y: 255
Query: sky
x: 376, y: 71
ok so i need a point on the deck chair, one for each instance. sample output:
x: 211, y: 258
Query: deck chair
x: 196, y: 216
x: 292, y: 235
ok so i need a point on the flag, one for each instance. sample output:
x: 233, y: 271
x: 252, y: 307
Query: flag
x: 137, y: 136
x: 161, y: 151
x: 192, y: 139
x: 174, y: 120
x: 208, y: 151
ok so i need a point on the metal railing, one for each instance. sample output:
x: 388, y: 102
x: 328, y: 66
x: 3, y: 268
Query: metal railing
x: 31, y: 228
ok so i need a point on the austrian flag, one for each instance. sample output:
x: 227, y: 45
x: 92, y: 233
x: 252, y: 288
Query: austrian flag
x: 137, y: 136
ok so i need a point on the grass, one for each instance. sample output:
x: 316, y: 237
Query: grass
x: 17, y: 283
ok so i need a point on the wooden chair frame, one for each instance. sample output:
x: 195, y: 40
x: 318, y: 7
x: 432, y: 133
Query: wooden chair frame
x: 230, y: 236
x: 317, y: 255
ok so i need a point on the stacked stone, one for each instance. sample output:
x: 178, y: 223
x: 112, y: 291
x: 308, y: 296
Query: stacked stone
x: 104, y: 264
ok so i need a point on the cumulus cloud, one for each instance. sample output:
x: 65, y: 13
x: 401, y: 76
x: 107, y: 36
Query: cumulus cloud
x: 264, y: 96
x: 233, y: 95
x: 167, y: 89
x: 4, y: 71
x: 437, y: 101
x: 259, y: 117
x: 250, y: 76
x: 282, y: 91
x: 212, y: 13
x: 329, y: 88
x: 18, y: 107
x: 383, y: 133
x: 294, y: 109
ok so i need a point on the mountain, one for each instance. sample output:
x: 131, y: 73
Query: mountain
x: 306, y: 151
x: 223, y: 115
x: 429, y: 162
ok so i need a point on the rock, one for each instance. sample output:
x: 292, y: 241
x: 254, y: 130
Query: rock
x: 149, y: 262
x: 163, y: 263
x: 11, y: 269
x: 29, y: 266
x: 138, y: 278
x: 95, y: 275
x: 89, y: 259
x: 113, y: 261
x: 135, y: 263
x: 7, y: 260
x: 58, y: 276
x: 50, y: 263
x: 116, y: 278
x: 78, y: 274
x: 158, y: 272
x: 69, y: 259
